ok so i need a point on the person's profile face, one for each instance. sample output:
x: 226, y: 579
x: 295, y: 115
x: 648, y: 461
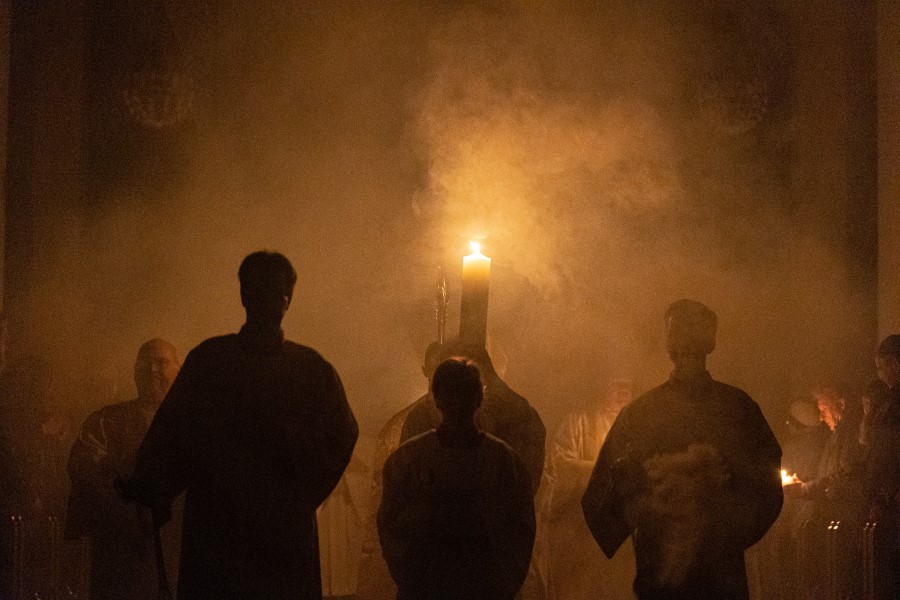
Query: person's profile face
x: 155, y: 371
x: 888, y: 368
x: 830, y: 411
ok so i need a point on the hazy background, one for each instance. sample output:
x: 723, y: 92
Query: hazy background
x: 613, y: 156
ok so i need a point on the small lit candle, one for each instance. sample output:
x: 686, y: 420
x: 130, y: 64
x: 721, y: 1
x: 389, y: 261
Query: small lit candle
x: 788, y: 479
x: 476, y: 278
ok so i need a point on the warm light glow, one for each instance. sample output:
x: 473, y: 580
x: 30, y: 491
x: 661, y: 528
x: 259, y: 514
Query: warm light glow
x: 476, y: 266
x: 788, y: 479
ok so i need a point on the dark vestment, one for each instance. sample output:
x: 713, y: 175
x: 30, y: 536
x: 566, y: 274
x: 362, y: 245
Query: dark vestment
x: 123, y: 563
x: 503, y: 414
x: 258, y: 432
x: 883, y: 494
x: 691, y: 471
x: 456, y: 523
x: 883, y: 468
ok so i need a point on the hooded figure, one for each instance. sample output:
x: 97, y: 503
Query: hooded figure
x: 689, y: 470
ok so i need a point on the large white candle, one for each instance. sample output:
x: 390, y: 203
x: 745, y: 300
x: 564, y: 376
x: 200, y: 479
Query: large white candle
x: 476, y: 277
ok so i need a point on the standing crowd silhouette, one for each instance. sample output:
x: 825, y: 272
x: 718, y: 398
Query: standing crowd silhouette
x: 210, y: 483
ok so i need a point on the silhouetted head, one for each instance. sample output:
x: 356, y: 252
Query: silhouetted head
x: 432, y: 359
x: 472, y: 351
x: 803, y: 414
x: 155, y: 369
x: 457, y: 388
x: 887, y: 361
x: 267, y: 286
x: 690, y: 336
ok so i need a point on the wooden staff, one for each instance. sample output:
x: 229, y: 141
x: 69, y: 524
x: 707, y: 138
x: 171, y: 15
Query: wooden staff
x: 442, y: 303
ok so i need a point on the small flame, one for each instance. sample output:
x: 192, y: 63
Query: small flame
x: 475, y: 246
x: 788, y: 479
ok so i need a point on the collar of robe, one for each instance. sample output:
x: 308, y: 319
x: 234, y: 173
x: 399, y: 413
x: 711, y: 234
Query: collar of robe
x: 261, y: 340
x: 691, y: 387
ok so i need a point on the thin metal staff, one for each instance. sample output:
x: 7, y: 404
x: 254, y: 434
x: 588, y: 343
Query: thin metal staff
x: 442, y: 304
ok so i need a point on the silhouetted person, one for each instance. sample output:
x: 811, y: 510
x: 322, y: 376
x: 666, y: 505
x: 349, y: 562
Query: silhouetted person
x: 503, y: 413
x: 258, y: 431
x: 375, y: 581
x: 456, y: 520
x: 689, y: 470
x: 883, y: 472
x: 123, y: 563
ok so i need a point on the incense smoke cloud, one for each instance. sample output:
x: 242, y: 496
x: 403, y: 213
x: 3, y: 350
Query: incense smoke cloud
x: 616, y: 156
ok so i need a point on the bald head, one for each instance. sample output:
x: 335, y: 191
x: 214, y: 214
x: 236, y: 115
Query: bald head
x: 155, y: 369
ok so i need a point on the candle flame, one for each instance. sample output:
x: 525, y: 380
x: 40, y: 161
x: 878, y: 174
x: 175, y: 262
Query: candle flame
x: 788, y: 479
x: 475, y: 246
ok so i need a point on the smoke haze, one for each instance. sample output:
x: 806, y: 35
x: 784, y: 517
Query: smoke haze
x: 614, y: 157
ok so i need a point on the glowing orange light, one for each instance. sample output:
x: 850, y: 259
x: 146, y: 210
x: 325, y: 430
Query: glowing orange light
x: 476, y: 266
x: 788, y: 479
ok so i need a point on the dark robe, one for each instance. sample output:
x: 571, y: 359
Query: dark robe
x: 258, y: 432
x: 503, y: 414
x: 456, y: 523
x: 883, y: 494
x: 690, y: 470
x: 123, y: 564
x: 883, y: 466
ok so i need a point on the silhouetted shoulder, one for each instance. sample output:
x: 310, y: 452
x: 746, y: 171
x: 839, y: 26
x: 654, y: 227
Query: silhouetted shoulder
x: 499, y: 446
x: 731, y: 391
x: 212, y: 348
x: 415, y: 445
x: 648, y: 402
x: 305, y: 353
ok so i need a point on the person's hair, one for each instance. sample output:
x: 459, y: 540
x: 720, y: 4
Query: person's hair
x: 471, y: 350
x: 890, y: 347
x: 266, y: 269
x: 456, y: 385
x: 697, y: 319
